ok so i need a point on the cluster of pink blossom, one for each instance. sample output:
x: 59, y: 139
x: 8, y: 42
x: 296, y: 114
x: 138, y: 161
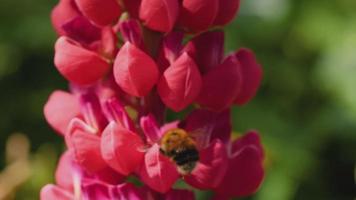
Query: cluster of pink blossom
x: 129, y: 61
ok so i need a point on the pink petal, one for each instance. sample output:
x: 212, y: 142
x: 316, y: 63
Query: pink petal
x: 131, y: 32
x: 250, y: 138
x: 101, y: 12
x: 108, y: 46
x: 57, y: 103
x: 121, y: 149
x: 180, y: 83
x: 77, y: 64
x: 135, y: 72
x: 54, y: 192
x: 170, y: 49
x: 251, y: 72
x: 221, y: 85
x: 110, y: 176
x: 86, y: 149
x: 97, y: 190
x: 227, y: 11
x: 244, y: 174
x: 62, y: 13
x: 207, y: 50
x: 65, y: 171
x: 150, y: 128
x: 158, y: 172
x: 132, y: 6
x: 178, y: 194
x: 159, y: 15
x: 206, y: 126
x: 81, y: 30
x: 92, y: 112
x: 211, y: 167
x: 116, y: 112
x: 130, y: 192
x: 198, y: 15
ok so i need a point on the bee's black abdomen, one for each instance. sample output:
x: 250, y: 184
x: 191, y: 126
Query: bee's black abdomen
x: 186, y: 156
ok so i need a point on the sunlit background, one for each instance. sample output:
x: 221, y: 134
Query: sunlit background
x: 305, y: 110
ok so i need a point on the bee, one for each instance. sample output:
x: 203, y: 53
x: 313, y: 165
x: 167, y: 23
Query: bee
x: 181, y: 149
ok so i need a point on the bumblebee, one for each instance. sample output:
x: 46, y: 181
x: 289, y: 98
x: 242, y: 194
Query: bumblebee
x: 181, y: 149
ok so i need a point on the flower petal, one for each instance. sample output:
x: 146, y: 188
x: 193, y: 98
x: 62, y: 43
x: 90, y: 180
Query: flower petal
x: 120, y: 148
x: 101, y: 12
x: 211, y: 167
x: 97, y: 190
x: 244, y: 174
x: 206, y: 126
x: 150, y: 128
x: 207, y: 50
x: 159, y: 15
x: 180, y: 84
x: 58, y: 102
x: 65, y: 171
x: 158, y: 172
x: 132, y: 6
x: 77, y: 64
x: 130, y: 192
x: 54, y: 192
x: 108, y: 45
x: 227, y: 11
x: 250, y: 138
x: 219, y: 93
x: 198, y: 15
x: 251, y: 73
x: 86, y: 149
x: 62, y: 13
x: 135, y: 72
x: 131, y: 32
x: 81, y: 30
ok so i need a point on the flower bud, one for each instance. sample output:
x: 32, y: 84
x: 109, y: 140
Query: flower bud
x: 135, y: 71
x: 159, y: 15
x: 78, y: 64
x: 100, y: 12
x: 198, y: 15
x: 180, y: 84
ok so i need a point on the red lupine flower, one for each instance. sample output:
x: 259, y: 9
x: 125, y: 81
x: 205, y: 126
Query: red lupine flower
x: 159, y: 15
x: 180, y: 83
x: 135, y: 71
x: 78, y: 64
x: 245, y: 172
x: 198, y: 15
x: 155, y: 169
x: 100, y: 12
x: 113, y: 120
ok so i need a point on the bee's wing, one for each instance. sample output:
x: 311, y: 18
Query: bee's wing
x: 201, y: 137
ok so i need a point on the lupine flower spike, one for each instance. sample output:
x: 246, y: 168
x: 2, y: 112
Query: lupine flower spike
x: 126, y: 64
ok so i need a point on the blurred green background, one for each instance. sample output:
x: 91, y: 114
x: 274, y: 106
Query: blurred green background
x: 305, y: 110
